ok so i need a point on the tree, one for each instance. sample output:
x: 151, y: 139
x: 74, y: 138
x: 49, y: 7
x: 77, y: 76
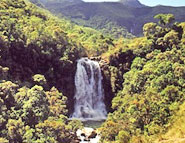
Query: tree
x: 3, y: 140
x: 165, y: 19
x: 3, y: 114
x: 123, y: 137
x: 7, y: 92
x: 171, y: 39
x: 57, y: 102
x: 35, y: 105
x: 39, y: 79
x: 15, y: 130
x: 149, y: 29
x: 53, y: 131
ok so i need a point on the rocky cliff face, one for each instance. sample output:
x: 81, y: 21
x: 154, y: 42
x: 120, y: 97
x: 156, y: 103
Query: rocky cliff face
x: 113, y: 70
x: 131, y: 3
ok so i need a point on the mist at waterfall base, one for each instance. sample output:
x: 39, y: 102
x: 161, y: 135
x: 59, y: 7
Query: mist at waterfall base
x: 89, y: 95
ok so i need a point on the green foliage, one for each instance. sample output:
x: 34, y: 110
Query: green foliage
x: 40, y: 79
x: 110, y: 130
x: 57, y: 102
x: 123, y: 137
x: 175, y: 127
x: 153, y: 88
x: 3, y: 111
x: 8, y: 89
x: 53, y: 131
x: 103, y: 22
x: 4, y: 72
x: 15, y: 130
x: 138, y: 63
x: 146, y: 73
x: 33, y: 41
x: 3, y: 140
x: 74, y: 125
x: 94, y: 42
x: 165, y: 19
x: 35, y: 107
x: 149, y: 29
x: 171, y: 38
x: 115, y: 79
x: 35, y: 115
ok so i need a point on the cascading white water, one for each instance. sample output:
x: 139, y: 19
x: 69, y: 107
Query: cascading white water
x: 89, y: 96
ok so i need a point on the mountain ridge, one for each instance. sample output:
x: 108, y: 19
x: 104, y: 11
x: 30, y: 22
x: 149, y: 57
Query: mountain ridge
x: 131, y: 3
x: 103, y: 15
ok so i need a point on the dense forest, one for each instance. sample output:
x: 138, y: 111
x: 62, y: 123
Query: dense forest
x: 144, y: 78
x: 153, y: 88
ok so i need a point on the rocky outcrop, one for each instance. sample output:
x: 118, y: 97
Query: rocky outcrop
x: 131, y: 3
x: 113, y: 70
x: 88, y: 135
x: 92, y: 135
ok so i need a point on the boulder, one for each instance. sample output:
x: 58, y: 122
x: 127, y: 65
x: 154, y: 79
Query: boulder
x: 93, y: 134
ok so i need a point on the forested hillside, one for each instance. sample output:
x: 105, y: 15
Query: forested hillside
x: 38, y: 58
x: 35, y: 54
x: 34, y: 41
x: 94, y: 15
x: 143, y: 78
x: 154, y: 87
x: 115, y: 18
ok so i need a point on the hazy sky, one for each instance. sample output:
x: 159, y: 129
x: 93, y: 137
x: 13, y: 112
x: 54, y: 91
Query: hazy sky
x: 154, y: 2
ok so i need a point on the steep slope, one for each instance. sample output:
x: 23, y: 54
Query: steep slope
x: 131, y: 3
x: 62, y: 3
x: 86, y: 14
x: 176, y: 130
x: 152, y: 72
x: 33, y: 41
x: 36, y: 56
x: 126, y: 14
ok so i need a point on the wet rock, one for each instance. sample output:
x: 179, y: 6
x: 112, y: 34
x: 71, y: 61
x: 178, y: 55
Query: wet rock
x: 76, y: 141
x: 88, y: 135
x: 93, y: 134
x: 103, y: 63
x: 83, y: 135
x: 86, y: 139
x: 95, y: 58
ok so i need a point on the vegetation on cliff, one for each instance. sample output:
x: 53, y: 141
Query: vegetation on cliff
x: 153, y: 88
x: 36, y: 55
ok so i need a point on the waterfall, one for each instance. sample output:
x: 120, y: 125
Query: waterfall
x: 89, y: 95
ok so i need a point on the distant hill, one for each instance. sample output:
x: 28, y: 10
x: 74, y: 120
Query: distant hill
x: 111, y: 17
